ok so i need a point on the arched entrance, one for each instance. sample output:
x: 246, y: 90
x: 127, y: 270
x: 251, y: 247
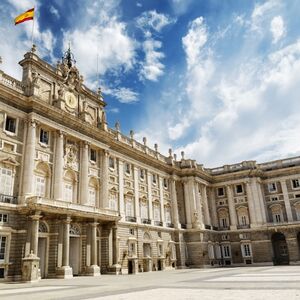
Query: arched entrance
x: 43, y: 244
x: 75, y: 249
x: 280, y: 249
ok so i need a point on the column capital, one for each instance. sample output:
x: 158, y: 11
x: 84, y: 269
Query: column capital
x: 60, y: 133
x: 94, y: 224
x: 31, y: 122
x: 85, y: 144
x: 35, y: 217
x: 67, y: 220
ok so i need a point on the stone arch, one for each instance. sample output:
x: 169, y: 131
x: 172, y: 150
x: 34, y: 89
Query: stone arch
x: 147, y: 236
x: 43, y: 168
x: 70, y: 175
x: 43, y: 227
x: 280, y: 249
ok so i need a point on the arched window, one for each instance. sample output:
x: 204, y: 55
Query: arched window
x: 43, y: 228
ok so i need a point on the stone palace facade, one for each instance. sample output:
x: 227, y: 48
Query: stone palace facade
x: 80, y: 198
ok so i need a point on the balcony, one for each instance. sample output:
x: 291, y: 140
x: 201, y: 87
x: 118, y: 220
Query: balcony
x: 130, y: 219
x: 158, y: 223
x: 170, y: 225
x: 223, y: 228
x: 146, y: 221
x: 244, y: 226
x: 8, y: 199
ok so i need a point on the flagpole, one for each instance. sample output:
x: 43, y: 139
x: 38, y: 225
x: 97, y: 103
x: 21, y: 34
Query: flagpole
x: 32, y: 33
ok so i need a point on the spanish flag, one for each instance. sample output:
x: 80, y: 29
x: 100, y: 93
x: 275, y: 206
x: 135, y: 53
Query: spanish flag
x: 26, y: 16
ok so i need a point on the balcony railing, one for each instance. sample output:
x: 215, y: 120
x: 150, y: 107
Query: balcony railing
x: 130, y: 219
x: 244, y: 226
x: 170, y: 225
x: 215, y: 228
x: 8, y: 199
x: 224, y: 228
x: 146, y: 221
x: 158, y: 223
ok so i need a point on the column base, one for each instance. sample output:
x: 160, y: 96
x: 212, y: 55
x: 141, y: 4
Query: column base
x: 30, y: 268
x: 115, y: 269
x: 93, y: 270
x: 64, y: 272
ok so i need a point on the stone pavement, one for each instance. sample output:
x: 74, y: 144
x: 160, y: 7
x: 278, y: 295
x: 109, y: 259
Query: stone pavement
x: 255, y: 283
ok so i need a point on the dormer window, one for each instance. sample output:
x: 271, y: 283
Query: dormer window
x: 44, y: 137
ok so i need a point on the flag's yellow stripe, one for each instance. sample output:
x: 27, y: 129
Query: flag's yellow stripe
x: 28, y: 15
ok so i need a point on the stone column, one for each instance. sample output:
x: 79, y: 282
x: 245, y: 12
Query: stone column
x: 257, y: 202
x: 84, y: 174
x: 150, y: 209
x: 261, y: 200
x: 214, y: 215
x: 174, y: 204
x: 34, y: 233
x: 94, y: 269
x: 187, y: 204
x: 198, y: 217
x: 136, y: 193
x: 121, y: 190
x: 286, y: 199
x: 231, y: 205
x: 29, y: 157
x: 115, y: 268
x: 104, y: 202
x: 161, y: 200
x: 65, y: 271
x: 205, y: 205
x: 58, y: 167
x: 253, y: 221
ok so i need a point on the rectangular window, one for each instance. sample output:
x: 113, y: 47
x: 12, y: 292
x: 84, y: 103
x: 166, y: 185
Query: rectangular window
x: 168, y: 216
x: 113, y: 204
x: 298, y: 213
x: 295, y: 183
x: 92, y: 196
x: 160, y: 250
x: 131, y: 251
x: 165, y: 183
x: 6, y: 181
x: 154, y: 179
x: 272, y: 187
x: 68, y: 192
x: 276, y: 218
x: 127, y: 168
x: 10, y: 124
x: 131, y: 231
x: 93, y: 155
x: 44, y: 136
x: 274, y: 198
x: 226, y: 251
x: 3, y: 218
x: 144, y: 211
x: 156, y: 213
x: 246, y: 250
x: 129, y: 209
x: 142, y: 174
x: 244, y: 220
x: 111, y: 163
x: 2, y: 247
x: 223, y: 222
x: 220, y: 191
x: 239, y: 189
x: 40, y: 186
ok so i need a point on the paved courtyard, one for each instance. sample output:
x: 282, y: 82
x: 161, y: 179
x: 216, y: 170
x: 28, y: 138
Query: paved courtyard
x: 245, y: 283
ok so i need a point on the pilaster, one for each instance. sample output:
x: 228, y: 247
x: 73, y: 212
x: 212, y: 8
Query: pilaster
x: 84, y: 173
x: 286, y: 199
x: 58, y: 166
x: 121, y: 189
x: 136, y: 193
x: 231, y: 205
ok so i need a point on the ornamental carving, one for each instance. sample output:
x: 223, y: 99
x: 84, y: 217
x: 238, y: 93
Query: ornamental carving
x: 71, y: 157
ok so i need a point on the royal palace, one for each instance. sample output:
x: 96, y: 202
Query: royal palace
x: 78, y: 198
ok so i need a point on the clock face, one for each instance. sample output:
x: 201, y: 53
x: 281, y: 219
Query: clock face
x: 71, y: 100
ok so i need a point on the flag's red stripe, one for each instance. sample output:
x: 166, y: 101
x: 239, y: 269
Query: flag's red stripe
x: 26, y: 19
x: 29, y: 10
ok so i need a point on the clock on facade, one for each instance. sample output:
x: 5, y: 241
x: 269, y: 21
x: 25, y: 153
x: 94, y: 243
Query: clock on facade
x: 71, y: 100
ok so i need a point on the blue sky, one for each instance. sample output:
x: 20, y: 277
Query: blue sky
x: 218, y: 79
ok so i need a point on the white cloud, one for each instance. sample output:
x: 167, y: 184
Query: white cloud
x: 277, y: 28
x: 110, y: 42
x: 181, y: 6
x: 54, y: 11
x: 152, y: 68
x: 123, y: 94
x: 153, y: 20
x: 194, y: 41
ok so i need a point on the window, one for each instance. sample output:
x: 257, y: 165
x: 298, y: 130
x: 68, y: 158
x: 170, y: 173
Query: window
x: 113, y: 203
x: 92, y: 196
x: 272, y: 187
x: 142, y: 174
x: 156, y: 213
x: 223, y: 223
x: 131, y: 249
x: 168, y: 215
x: 10, y: 124
x: 226, y: 251
x: 111, y: 163
x: 220, y: 191
x: 246, y: 250
x: 129, y: 209
x: 154, y: 179
x: 127, y: 168
x: 244, y: 220
x: 159, y: 234
x: 283, y: 250
x: 44, y: 137
x: 144, y: 210
x: 298, y: 213
x: 6, y: 181
x: 3, y: 218
x: 2, y: 247
x: 165, y: 183
x: 68, y: 192
x: 276, y: 218
x: 295, y: 183
x: 93, y: 155
x: 274, y: 198
x: 40, y: 186
x: 211, y: 254
x: 160, y: 250
x: 131, y: 231
x: 239, y: 189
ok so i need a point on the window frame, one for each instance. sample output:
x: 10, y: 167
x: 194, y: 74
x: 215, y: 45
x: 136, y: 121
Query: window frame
x: 93, y: 159
x: 273, y: 184
x: 236, y: 189
x: 292, y: 182
x: 42, y: 143
x: 10, y: 133
x: 220, y: 189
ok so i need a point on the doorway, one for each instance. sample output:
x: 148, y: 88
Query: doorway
x: 159, y: 268
x: 75, y: 255
x: 42, y: 254
x: 280, y: 249
x: 130, y: 267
